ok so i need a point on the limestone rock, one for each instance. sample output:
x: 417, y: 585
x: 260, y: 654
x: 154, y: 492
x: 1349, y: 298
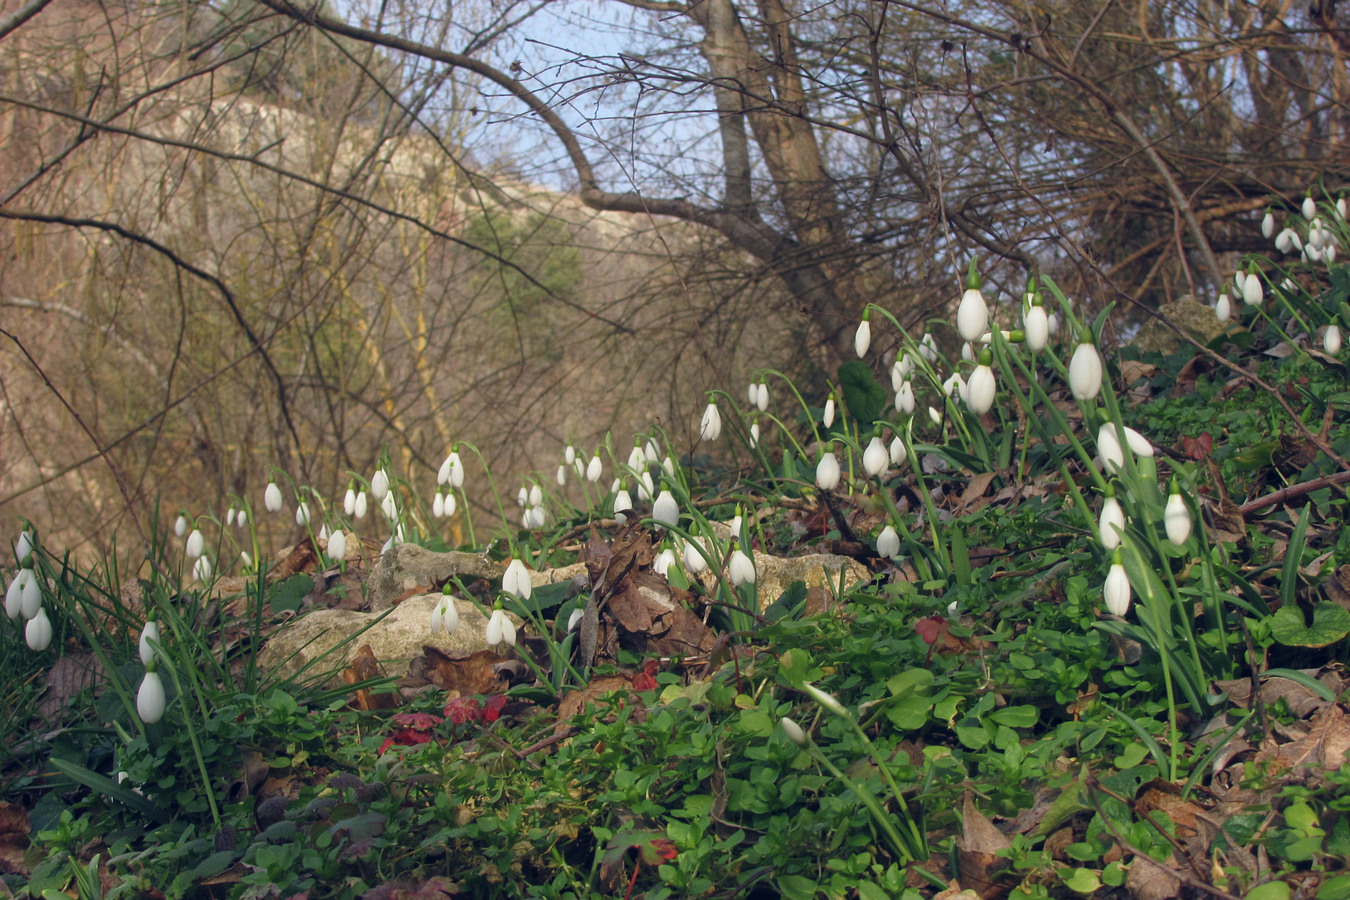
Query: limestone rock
x: 1188, y: 314
x: 395, y: 638
x: 774, y: 574
x: 409, y: 566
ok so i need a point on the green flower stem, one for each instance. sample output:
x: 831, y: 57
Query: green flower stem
x: 903, y: 850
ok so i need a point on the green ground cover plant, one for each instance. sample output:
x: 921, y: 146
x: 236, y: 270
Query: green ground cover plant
x: 1093, y: 644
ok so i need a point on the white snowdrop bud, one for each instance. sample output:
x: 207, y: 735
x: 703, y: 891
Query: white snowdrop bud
x: 1331, y: 340
x: 349, y: 502
x: 828, y: 417
x: 337, y: 545
x: 875, y: 457
x: 762, y: 397
x: 1253, y: 291
x: 438, y: 505
x: 594, y: 469
x: 741, y: 569
x: 710, y: 428
x: 1085, y: 372
x: 574, y: 618
x: 388, y: 507
x: 38, y: 632
x: 272, y: 497
x: 569, y: 454
x: 664, y: 560
x: 694, y: 562
x: 928, y: 347
x: 1109, y: 449
x: 149, y: 639
x: 1268, y: 224
x: 180, y: 526
x: 972, y: 315
x: 302, y: 513
x: 536, y: 495
x: 202, y: 569
x: 379, y: 484
x: 904, y: 399
x: 623, y: 505
x: 1177, y: 518
x: 1037, y: 325
x: 898, y: 452
x: 981, y: 389
x: 24, y: 546
x: 827, y: 471
x: 793, y: 731
x: 1111, y: 522
x: 862, y: 340
x: 359, y: 507
x: 1223, y: 310
x: 665, y: 511
x: 1116, y: 590
x: 1309, y: 207
x: 888, y: 543
x: 150, y: 699
x: 196, y: 544
x: 754, y: 433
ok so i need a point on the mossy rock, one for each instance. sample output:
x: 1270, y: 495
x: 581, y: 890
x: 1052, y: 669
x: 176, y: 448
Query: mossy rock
x: 1190, y: 316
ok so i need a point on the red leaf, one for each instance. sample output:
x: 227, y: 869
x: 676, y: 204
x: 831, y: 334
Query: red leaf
x: 494, y: 707
x: 932, y: 629
x: 463, y: 709
x: 1197, y: 448
x: 420, y: 721
x: 657, y: 849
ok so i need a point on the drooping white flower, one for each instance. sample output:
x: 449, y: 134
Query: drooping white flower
x: 900, y: 370
x: 646, y: 487
x: 968, y: 351
x: 272, y: 497
x: 196, y: 544
x: 323, y: 532
x: 38, y: 631
x: 561, y: 477
x: 574, y: 618
x: 522, y: 496
x: 181, y: 525
x: 1268, y: 224
x: 752, y: 393
x: 636, y: 458
x: 594, y: 468
x: 828, y: 417
x: 1309, y: 207
x: 242, y: 518
x: 710, y: 429
x: 24, y: 546
x: 379, y: 484
x: 1253, y: 291
x: 445, y: 617
x: 888, y: 543
x: 664, y: 560
x: 623, y: 505
x: 536, y: 495
x: 1085, y: 372
x: 516, y: 581
x: 898, y: 452
x: 569, y: 454
x: 456, y: 479
x: 302, y: 513
x: 650, y: 451
x: 862, y: 339
x: 982, y: 387
x: 694, y: 562
x: 1288, y: 241
x: 337, y: 544
x: 972, y: 315
x: 14, y: 599
x: 438, y: 505
x: 1036, y: 323
x: 1223, y: 310
x: 934, y: 416
x: 387, y: 506
x: 500, y: 629
x: 229, y: 516
x: 202, y: 569
x: 666, y: 511
x: 827, y: 471
x: 349, y: 501
x: 359, y: 507
x: 150, y: 698
x: 1341, y: 208
x: 827, y: 700
x: 954, y: 386
x: 736, y: 524
x: 793, y: 731
x: 741, y: 569
x: 443, y: 473
x: 1331, y: 340
x: 1116, y: 590
x: 1111, y: 522
x: 246, y: 558
x: 875, y: 457
x: 1177, y: 518
x: 904, y: 398
x: 754, y: 432
x: 928, y: 347
x: 450, y: 505
x: 762, y: 396
x: 150, y: 639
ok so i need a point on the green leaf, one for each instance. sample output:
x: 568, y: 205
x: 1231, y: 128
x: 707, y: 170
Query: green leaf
x: 287, y: 595
x: 1271, y: 890
x: 1016, y: 716
x: 1330, y: 623
x: 785, y: 604
x: 796, y: 887
x: 794, y: 665
x: 1080, y: 881
x: 870, y: 890
x: 109, y: 788
x: 864, y: 397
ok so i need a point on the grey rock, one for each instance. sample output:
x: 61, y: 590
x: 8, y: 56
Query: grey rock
x: 1190, y: 315
x: 775, y: 574
x: 408, y: 566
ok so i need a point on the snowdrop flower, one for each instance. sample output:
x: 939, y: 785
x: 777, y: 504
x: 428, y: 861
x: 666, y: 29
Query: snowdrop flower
x: 664, y: 560
x: 752, y: 393
x: 536, y: 495
x: 1288, y: 241
x: 1036, y: 323
x: 694, y: 562
x: 623, y: 505
x: 500, y: 629
x: 272, y: 497
x: 668, y: 466
x: 456, y: 472
x: 23, y: 547
x: 875, y: 457
x: 904, y: 398
x: 828, y: 417
x: 665, y: 511
x: 574, y: 618
x: 741, y: 569
x: 1111, y: 523
x: 201, y: 569
x: 24, y: 596
x: 827, y: 471
x: 535, y: 518
x: 38, y: 631
x: 972, y: 315
x: 954, y: 386
x: 1331, y: 340
x: 650, y: 451
x: 242, y: 518
x: 379, y: 484
x: 180, y: 526
x: 323, y: 532
x: 900, y: 370
x: 594, y: 468
x: 522, y: 496
x: 1309, y: 206
x: 150, y: 698
x: 829, y: 701
x: 516, y: 580
x: 1053, y: 321
x: 736, y: 525
x: 450, y: 505
x: 302, y: 514
x: 636, y: 458
x: 888, y: 543
x: 443, y: 473
x: 1223, y: 310
x: 762, y: 396
x: 337, y: 544
x: 1341, y: 208
x: 934, y: 416
x: 149, y: 641
x: 562, y: 475
x: 968, y: 351
x: 1253, y: 292
x: 1085, y: 372
x: 387, y: 506
x: 445, y: 617
x: 359, y: 507
x: 710, y: 429
x: 569, y: 454
x: 862, y: 339
x: 1177, y: 517
x: 928, y: 347
x: 246, y: 558
x: 438, y: 505
x: 898, y: 452
x: 349, y: 501
x: 793, y: 731
x: 1116, y: 590
x: 1109, y: 449
x: 754, y: 432
x: 1268, y: 224
x: 229, y: 515
x: 982, y: 386
x: 196, y: 544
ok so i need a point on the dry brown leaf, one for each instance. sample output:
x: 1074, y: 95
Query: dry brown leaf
x: 1302, y: 702
x: 68, y: 676
x: 1323, y: 748
x: 365, y: 667
x: 301, y: 558
x: 574, y: 703
x: 13, y: 839
x: 1161, y: 801
x: 480, y: 672
x: 976, y: 854
x: 1149, y: 879
x: 972, y: 498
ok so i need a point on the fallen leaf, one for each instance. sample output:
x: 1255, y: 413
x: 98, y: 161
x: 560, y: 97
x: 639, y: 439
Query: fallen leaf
x: 13, y: 839
x: 363, y: 668
x: 67, y: 677
x: 480, y: 672
x: 977, y: 847
x: 1149, y: 879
